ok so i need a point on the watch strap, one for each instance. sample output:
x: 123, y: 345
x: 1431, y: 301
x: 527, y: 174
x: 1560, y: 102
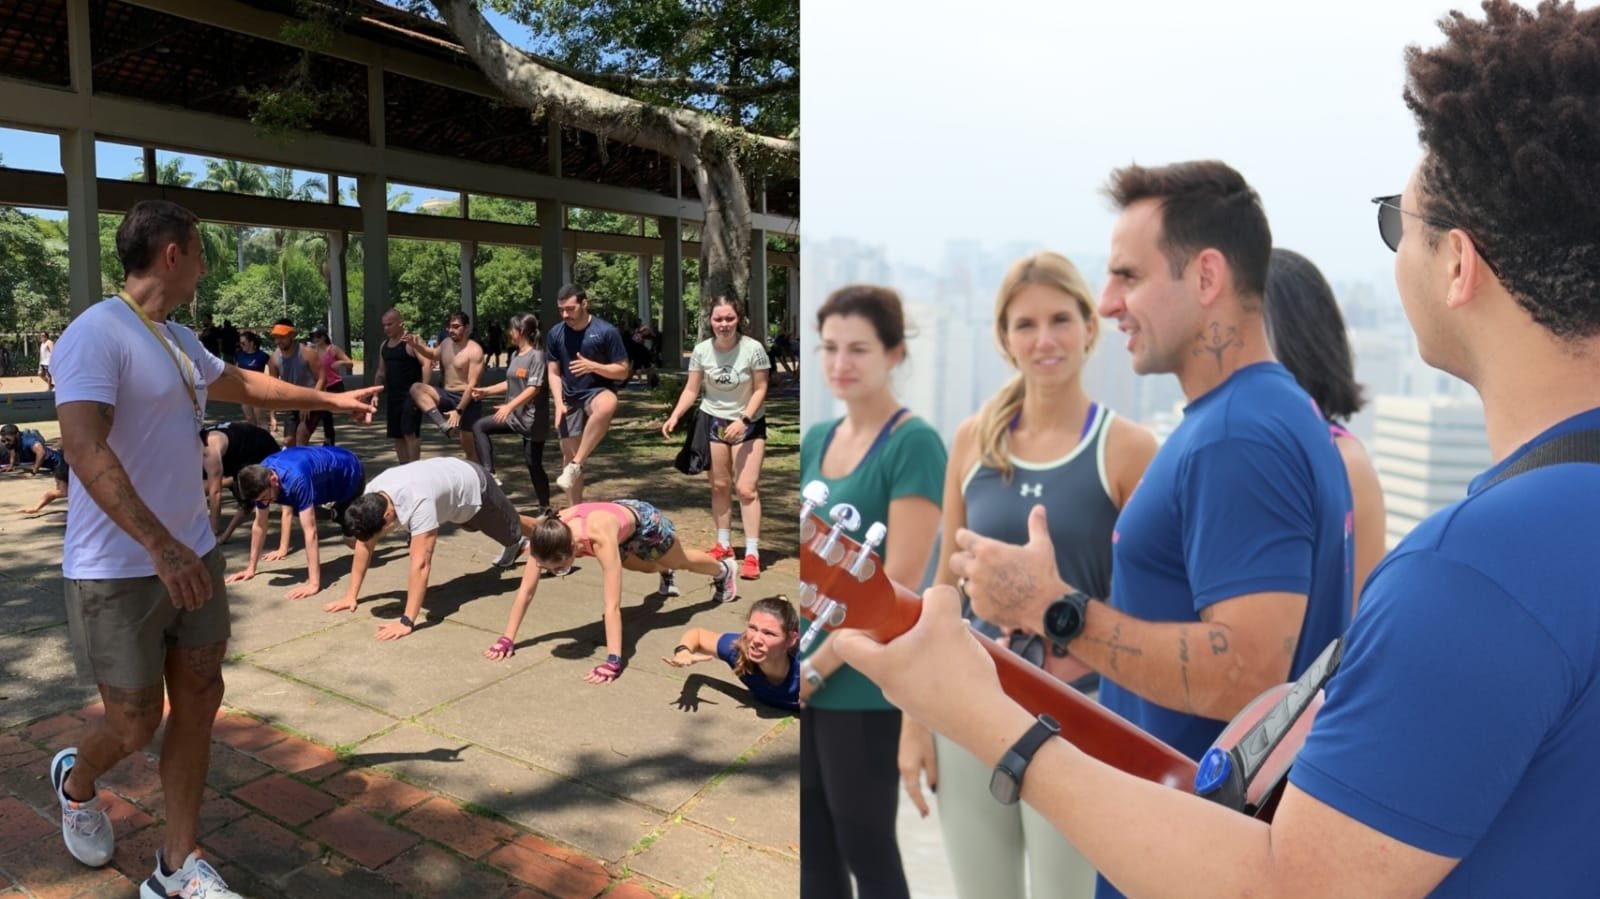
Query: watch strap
x: 1006, y: 782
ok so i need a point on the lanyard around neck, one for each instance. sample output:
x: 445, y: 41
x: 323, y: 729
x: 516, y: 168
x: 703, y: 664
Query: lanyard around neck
x: 186, y: 374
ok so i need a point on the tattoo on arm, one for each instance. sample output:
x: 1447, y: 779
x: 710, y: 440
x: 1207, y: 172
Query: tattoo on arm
x: 1115, y: 646
x: 1219, y: 642
x: 1183, y: 664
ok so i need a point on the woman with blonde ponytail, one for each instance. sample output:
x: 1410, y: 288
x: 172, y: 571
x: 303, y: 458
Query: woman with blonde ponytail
x: 1040, y: 440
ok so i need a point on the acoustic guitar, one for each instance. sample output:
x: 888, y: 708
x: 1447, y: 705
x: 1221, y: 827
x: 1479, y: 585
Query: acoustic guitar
x: 842, y: 584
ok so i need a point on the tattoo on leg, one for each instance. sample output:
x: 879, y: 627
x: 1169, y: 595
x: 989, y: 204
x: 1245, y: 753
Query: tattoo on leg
x: 1219, y: 642
x: 132, y: 704
x: 1219, y: 342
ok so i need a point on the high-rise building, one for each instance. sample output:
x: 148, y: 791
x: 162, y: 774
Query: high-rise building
x: 1427, y: 450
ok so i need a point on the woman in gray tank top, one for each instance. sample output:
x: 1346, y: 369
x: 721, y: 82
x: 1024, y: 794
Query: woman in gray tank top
x: 1040, y: 441
x: 526, y: 410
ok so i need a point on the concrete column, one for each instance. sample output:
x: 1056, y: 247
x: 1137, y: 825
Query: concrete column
x: 338, y: 292
x: 77, y: 163
x: 469, y: 283
x: 551, y: 277
x: 644, y: 287
x: 83, y: 219
x: 372, y: 195
x: 756, y: 303
x: 372, y: 192
x: 671, y: 293
x: 791, y: 296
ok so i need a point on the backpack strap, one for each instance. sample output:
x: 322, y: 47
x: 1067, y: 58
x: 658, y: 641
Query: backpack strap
x: 1578, y: 446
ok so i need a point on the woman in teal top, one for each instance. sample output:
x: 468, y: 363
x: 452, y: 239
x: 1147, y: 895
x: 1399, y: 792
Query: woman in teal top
x: 889, y: 465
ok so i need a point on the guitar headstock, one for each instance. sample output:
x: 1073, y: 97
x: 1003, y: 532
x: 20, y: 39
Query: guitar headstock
x: 842, y: 583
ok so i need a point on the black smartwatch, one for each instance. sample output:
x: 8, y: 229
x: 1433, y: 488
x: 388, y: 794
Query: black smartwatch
x: 1064, y: 620
x: 1005, y: 784
x: 746, y: 420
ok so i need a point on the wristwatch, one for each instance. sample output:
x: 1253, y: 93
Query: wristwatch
x: 1005, y: 784
x: 812, y: 676
x: 746, y: 420
x: 1064, y: 619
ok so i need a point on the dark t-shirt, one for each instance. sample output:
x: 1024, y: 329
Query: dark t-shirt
x: 785, y: 695
x: 599, y: 342
x: 256, y: 361
x: 247, y: 445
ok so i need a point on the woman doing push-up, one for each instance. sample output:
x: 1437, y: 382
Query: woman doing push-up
x: 626, y: 533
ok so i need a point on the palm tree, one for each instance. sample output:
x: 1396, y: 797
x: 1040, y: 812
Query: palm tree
x: 280, y: 185
x: 170, y: 173
x: 235, y: 177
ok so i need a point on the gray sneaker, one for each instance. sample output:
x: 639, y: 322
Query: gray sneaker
x: 194, y: 879
x: 668, y: 586
x: 85, y: 826
x: 508, y: 556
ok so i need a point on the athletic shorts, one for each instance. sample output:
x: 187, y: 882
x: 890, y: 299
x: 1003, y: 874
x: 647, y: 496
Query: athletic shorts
x: 404, y: 418
x: 122, y: 628
x: 653, y: 535
x: 756, y: 430
x: 497, y: 518
x: 450, y: 401
x: 577, y: 416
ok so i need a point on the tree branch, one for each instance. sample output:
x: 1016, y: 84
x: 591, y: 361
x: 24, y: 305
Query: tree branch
x: 684, y: 134
x: 631, y: 83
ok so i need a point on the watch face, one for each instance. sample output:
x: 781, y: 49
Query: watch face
x: 1003, y: 786
x: 1063, y: 620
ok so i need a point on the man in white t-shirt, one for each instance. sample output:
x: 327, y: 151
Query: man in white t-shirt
x: 146, y: 606
x: 46, y: 350
x: 421, y: 496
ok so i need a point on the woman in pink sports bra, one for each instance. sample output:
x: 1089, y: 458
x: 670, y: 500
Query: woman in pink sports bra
x: 332, y: 358
x: 626, y: 533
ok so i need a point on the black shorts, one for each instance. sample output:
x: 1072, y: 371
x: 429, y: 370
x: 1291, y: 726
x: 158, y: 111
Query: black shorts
x: 450, y: 401
x: 405, y: 419
x: 756, y: 430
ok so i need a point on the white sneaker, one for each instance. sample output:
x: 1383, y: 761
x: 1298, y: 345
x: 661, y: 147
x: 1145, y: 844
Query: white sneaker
x: 85, y: 826
x: 195, y: 879
x: 569, y: 475
x: 726, y: 586
x: 508, y: 556
x: 669, y: 585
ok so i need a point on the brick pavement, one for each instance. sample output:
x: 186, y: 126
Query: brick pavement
x: 283, y: 817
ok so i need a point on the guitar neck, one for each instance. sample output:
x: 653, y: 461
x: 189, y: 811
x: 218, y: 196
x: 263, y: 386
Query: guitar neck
x: 1085, y: 723
x: 1089, y: 725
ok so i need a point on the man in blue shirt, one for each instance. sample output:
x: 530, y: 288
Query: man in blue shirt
x: 300, y: 478
x: 587, y: 361
x: 1454, y: 755
x: 1230, y: 562
x: 21, y: 447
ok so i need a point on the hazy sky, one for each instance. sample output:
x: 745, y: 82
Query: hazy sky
x: 999, y: 121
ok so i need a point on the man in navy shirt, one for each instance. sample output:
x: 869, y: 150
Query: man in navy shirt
x: 21, y: 447
x: 587, y: 361
x: 1454, y: 755
x: 300, y: 479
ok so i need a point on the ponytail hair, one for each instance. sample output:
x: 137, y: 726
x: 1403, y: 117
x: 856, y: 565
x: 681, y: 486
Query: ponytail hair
x: 779, y: 608
x: 995, y: 417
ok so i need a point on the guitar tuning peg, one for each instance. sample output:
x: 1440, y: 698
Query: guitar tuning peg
x: 860, y: 565
x: 846, y: 515
x: 812, y: 495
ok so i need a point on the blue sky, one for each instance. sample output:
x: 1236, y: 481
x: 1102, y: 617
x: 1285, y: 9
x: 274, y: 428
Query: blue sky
x: 41, y: 151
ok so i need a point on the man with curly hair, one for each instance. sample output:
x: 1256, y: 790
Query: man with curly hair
x: 1454, y: 754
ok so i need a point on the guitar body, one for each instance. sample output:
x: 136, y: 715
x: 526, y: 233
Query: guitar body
x: 842, y: 583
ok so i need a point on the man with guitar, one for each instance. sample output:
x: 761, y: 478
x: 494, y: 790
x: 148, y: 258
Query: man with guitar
x: 1454, y: 753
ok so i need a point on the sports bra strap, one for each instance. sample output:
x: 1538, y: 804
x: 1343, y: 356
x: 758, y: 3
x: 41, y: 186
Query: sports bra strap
x: 877, y: 442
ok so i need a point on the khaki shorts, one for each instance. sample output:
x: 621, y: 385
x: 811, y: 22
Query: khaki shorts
x: 121, y: 628
x: 497, y: 518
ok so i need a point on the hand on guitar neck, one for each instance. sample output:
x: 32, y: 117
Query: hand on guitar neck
x: 931, y: 664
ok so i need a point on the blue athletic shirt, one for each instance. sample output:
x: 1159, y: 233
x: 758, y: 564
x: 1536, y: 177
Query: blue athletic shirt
x: 599, y: 341
x: 784, y: 696
x: 312, y: 475
x: 1248, y: 495
x: 1465, y: 717
x: 256, y: 361
x: 24, y: 454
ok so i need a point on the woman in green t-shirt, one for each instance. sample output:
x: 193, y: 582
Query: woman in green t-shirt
x: 733, y: 368
x: 889, y: 465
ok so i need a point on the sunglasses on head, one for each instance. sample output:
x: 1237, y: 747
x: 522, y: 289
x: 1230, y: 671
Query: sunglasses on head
x: 1390, y: 226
